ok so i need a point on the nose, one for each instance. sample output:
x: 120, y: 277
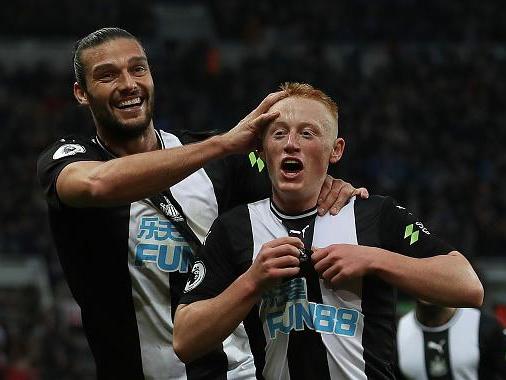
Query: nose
x: 292, y: 143
x: 127, y: 82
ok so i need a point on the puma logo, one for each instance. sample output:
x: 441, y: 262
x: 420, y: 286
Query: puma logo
x: 299, y: 232
x: 438, y: 347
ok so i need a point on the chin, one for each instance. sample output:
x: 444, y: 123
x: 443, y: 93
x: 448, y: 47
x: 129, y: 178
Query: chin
x: 292, y: 192
x: 290, y: 187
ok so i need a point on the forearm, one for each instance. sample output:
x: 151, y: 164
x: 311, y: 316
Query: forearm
x: 201, y: 326
x: 448, y: 280
x: 138, y: 176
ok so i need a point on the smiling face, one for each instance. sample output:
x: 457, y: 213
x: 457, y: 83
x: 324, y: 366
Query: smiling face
x: 119, y: 88
x: 298, y: 147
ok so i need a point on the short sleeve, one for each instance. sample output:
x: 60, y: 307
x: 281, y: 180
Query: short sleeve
x: 213, y: 270
x: 62, y: 153
x: 402, y: 232
x: 249, y: 178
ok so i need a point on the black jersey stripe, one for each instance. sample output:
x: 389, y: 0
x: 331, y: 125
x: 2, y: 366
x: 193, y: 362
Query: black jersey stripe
x: 306, y: 351
x: 378, y: 298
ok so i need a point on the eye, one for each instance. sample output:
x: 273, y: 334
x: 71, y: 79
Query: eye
x: 106, y: 77
x: 140, y: 70
x: 279, y: 133
x: 307, y: 133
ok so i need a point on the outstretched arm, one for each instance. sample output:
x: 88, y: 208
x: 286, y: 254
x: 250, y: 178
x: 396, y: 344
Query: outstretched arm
x: 201, y: 326
x: 137, y: 176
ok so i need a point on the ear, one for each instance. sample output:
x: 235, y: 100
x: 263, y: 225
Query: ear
x: 80, y: 94
x: 337, y: 150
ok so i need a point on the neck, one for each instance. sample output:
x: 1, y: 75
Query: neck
x: 145, y: 142
x: 433, y: 315
x: 293, y: 204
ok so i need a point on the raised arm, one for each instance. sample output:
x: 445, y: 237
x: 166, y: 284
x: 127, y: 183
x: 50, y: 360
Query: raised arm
x: 137, y: 176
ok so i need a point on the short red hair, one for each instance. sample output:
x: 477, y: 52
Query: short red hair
x: 305, y: 90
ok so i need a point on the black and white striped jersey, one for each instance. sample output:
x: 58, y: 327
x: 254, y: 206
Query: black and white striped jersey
x: 470, y: 346
x: 301, y: 329
x: 126, y: 266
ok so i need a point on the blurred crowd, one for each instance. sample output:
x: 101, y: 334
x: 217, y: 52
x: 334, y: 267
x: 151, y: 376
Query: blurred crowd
x: 418, y: 85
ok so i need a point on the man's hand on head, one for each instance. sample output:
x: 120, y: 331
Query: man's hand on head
x: 245, y: 136
x: 336, y: 193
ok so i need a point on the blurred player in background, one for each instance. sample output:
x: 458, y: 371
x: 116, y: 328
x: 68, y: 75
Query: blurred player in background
x: 445, y: 343
x: 327, y: 314
x: 129, y: 206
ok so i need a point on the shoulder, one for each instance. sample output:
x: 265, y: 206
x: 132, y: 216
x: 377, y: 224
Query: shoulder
x: 377, y: 202
x: 233, y: 226
x: 70, y: 145
x: 234, y: 218
x: 375, y: 206
x: 488, y: 321
x: 68, y: 149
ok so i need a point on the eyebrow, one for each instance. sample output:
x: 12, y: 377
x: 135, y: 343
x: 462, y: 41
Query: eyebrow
x: 109, y: 65
x: 299, y: 124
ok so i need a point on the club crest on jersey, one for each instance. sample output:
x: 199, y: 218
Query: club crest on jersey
x: 170, y: 211
x: 68, y: 150
x: 286, y: 307
x: 196, y: 276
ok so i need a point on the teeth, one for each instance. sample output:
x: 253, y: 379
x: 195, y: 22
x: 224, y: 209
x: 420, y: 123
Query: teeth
x: 130, y: 102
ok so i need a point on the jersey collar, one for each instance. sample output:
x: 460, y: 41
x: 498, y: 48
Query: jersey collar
x: 286, y: 216
x: 443, y: 327
x: 101, y: 144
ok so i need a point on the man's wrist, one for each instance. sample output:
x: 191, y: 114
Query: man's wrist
x: 221, y: 144
x: 251, y: 288
x: 379, y: 260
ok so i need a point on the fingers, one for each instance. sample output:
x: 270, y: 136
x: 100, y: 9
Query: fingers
x: 323, y: 202
x: 339, y: 195
x: 330, y: 273
x: 262, y: 121
x: 268, y: 102
x: 285, y: 262
x: 345, y: 192
x: 284, y: 240
x: 323, y: 264
x: 268, y: 253
x: 361, y: 192
x: 285, y: 272
x: 318, y: 253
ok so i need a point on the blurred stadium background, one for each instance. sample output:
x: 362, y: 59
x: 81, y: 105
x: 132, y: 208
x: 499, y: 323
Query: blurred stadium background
x: 422, y: 105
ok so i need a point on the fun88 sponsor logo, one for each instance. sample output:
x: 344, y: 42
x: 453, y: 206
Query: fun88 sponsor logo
x: 162, y: 244
x: 286, y: 308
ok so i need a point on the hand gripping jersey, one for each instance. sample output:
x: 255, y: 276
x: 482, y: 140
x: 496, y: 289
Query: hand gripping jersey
x: 301, y: 329
x: 470, y: 346
x: 126, y: 266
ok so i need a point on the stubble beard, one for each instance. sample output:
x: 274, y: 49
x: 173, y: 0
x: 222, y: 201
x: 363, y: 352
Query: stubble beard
x: 113, y: 127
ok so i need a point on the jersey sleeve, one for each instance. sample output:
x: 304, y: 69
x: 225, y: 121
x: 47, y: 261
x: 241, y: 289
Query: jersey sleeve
x: 249, y: 179
x: 52, y: 161
x: 492, y: 343
x: 213, y: 270
x: 402, y: 232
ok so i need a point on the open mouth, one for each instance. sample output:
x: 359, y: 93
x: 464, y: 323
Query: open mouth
x: 130, y: 103
x: 291, y: 165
